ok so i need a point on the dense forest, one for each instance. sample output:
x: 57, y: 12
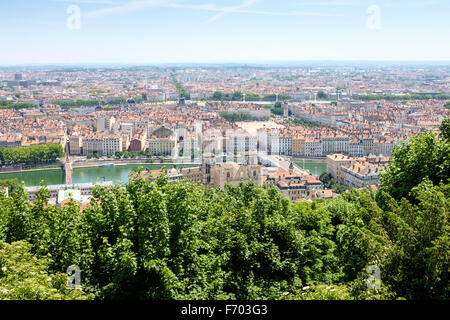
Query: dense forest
x: 161, y: 240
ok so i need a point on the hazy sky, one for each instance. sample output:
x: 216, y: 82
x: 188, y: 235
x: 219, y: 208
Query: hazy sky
x: 157, y: 31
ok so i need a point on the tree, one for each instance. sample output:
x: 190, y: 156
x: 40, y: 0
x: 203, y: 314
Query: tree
x: 445, y: 128
x: 26, y: 277
x: 321, y: 95
x: 13, y: 185
x: 417, y: 265
x: 31, y: 154
x: 422, y: 156
x: 218, y: 96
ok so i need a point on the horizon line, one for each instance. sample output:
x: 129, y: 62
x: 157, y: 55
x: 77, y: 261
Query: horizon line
x: 255, y: 62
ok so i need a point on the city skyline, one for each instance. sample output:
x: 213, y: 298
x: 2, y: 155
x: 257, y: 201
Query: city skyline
x: 193, y: 31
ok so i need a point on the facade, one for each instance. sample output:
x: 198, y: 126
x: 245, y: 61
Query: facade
x: 285, y: 145
x: 313, y: 148
x: 10, y: 142
x: 360, y: 174
x: 335, y: 145
x: 76, y: 144
x: 111, y: 144
x: 162, y: 146
x: 335, y: 163
x: 295, y: 186
x: 92, y: 144
x: 105, y: 124
x: 355, y: 172
x: 298, y: 146
x: 211, y: 174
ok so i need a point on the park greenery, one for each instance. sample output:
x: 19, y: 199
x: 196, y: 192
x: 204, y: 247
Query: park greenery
x: 93, y: 103
x: 79, y: 103
x: 4, y: 104
x: 321, y: 95
x: 153, y: 239
x: 181, y: 91
x: 237, y: 116
x: 275, y: 109
x: 239, y: 96
x: 40, y: 153
x: 303, y: 123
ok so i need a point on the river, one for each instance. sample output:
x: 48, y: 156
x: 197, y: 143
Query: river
x: 118, y: 174
x: 315, y: 167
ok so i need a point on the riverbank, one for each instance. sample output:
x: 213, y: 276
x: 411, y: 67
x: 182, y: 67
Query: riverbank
x: 92, y: 164
x: 123, y: 162
x: 309, y: 159
x: 31, y: 169
x: 117, y: 173
x: 56, y: 165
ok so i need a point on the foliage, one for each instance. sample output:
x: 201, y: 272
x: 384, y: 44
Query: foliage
x: 319, y: 292
x: 321, y: 95
x: 331, y: 183
x: 445, y: 128
x: 26, y: 277
x: 4, y: 104
x: 417, y: 266
x: 155, y: 239
x: 181, y: 91
x: 237, y: 116
x: 13, y: 185
x: 79, y: 103
x: 32, y: 154
x: 423, y: 156
x: 236, y: 96
x: 303, y: 123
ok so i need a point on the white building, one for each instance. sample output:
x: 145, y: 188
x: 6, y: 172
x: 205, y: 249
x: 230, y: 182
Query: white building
x: 111, y: 144
x: 313, y: 148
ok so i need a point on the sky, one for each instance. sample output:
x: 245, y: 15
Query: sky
x: 34, y: 32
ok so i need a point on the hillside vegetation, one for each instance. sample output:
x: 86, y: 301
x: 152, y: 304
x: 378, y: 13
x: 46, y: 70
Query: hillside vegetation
x: 161, y: 240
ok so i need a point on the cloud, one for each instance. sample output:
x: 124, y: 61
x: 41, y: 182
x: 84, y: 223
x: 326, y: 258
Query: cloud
x: 177, y: 4
x: 227, y: 10
x: 328, y: 4
x: 109, y: 2
x: 127, y: 7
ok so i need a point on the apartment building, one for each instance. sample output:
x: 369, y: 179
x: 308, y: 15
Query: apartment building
x: 285, y: 145
x: 335, y: 145
x: 297, y: 146
x: 76, y: 144
x: 360, y: 174
x: 355, y: 172
x: 295, y: 186
x: 240, y: 142
x: 105, y: 124
x: 111, y: 144
x: 92, y: 143
x: 335, y: 163
x: 162, y: 146
x: 313, y: 148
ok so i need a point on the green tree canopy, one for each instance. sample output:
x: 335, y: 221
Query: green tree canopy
x: 422, y: 156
